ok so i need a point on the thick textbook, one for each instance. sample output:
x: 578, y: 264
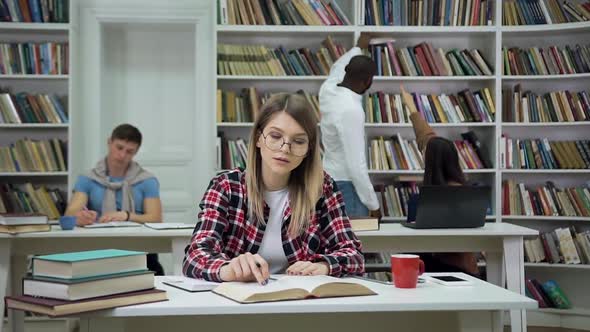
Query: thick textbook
x: 57, y: 308
x: 293, y: 288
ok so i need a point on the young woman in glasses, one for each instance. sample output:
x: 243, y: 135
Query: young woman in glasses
x: 282, y: 214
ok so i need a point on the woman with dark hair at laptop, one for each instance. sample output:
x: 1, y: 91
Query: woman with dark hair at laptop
x: 441, y: 167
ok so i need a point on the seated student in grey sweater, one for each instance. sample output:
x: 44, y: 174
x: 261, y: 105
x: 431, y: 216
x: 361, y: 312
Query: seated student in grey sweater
x: 118, y: 188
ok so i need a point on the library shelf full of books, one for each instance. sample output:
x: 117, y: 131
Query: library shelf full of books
x: 35, y: 111
x: 535, y: 53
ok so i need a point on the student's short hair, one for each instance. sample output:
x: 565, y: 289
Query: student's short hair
x: 127, y: 132
x: 361, y: 68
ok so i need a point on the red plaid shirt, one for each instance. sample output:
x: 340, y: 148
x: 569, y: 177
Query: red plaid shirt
x: 224, y: 231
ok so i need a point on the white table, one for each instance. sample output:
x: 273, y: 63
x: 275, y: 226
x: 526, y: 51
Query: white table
x: 501, y: 241
x: 430, y: 307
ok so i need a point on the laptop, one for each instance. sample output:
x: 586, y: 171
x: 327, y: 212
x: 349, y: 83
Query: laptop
x: 448, y: 207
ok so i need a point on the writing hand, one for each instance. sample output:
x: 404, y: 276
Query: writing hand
x: 246, y: 267
x: 85, y: 217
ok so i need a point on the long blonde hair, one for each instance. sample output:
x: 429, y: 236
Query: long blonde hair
x: 305, y: 181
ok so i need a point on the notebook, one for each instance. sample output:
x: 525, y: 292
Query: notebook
x: 189, y: 284
x: 169, y: 225
x: 113, y: 224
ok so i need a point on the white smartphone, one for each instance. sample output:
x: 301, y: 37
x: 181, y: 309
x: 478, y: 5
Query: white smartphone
x: 449, y: 280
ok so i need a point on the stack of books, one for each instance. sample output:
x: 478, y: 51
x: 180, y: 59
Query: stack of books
x: 15, y: 223
x: 75, y: 282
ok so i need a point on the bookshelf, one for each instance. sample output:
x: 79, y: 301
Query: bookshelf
x: 489, y: 39
x: 56, y: 83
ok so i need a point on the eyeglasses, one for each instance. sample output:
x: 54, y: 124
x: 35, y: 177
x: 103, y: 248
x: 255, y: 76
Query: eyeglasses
x: 275, y: 141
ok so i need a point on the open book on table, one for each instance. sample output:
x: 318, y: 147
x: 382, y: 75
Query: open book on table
x: 293, y: 288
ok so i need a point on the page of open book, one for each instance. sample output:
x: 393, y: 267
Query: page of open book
x: 309, y: 283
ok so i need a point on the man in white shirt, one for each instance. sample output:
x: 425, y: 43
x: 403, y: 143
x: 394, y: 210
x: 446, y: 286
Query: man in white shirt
x: 343, y: 130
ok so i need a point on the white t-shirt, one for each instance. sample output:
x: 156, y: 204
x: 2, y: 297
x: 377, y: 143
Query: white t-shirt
x: 343, y: 132
x: 271, y: 248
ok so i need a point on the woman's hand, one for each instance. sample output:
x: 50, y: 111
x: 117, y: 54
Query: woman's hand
x: 304, y: 268
x: 246, y: 267
x: 408, y: 100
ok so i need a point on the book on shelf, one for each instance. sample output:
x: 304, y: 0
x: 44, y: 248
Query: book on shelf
x: 548, y: 294
x: 243, y: 106
x: 273, y: 12
x: 82, y: 264
x: 464, y: 107
x: 545, y: 200
x: 260, y: 60
x: 424, y: 60
x: 234, y: 153
x: 359, y: 224
x: 556, y: 296
x: 429, y: 12
x: 552, y: 60
x: 393, y: 198
x: 554, y: 106
x: 58, y: 308
x: 559, y: 246
x: 542, y: 153
x: 15, y: 219
x: 479, y: 148
x: 23, y: 107
x: 293, y: 288
x: 49, y: 58
x: 531, y: 12
x: 395, y: 153
x: 28, y: 199
x: 398, y: 153
x: 26, y: 155
x: 89, y: 287
x: 41, y: 11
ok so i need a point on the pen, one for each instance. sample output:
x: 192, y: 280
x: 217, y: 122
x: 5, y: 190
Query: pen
x: 265, y: 280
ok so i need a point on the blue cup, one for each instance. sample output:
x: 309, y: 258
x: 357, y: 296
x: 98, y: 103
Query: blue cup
x: 67, y: 223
